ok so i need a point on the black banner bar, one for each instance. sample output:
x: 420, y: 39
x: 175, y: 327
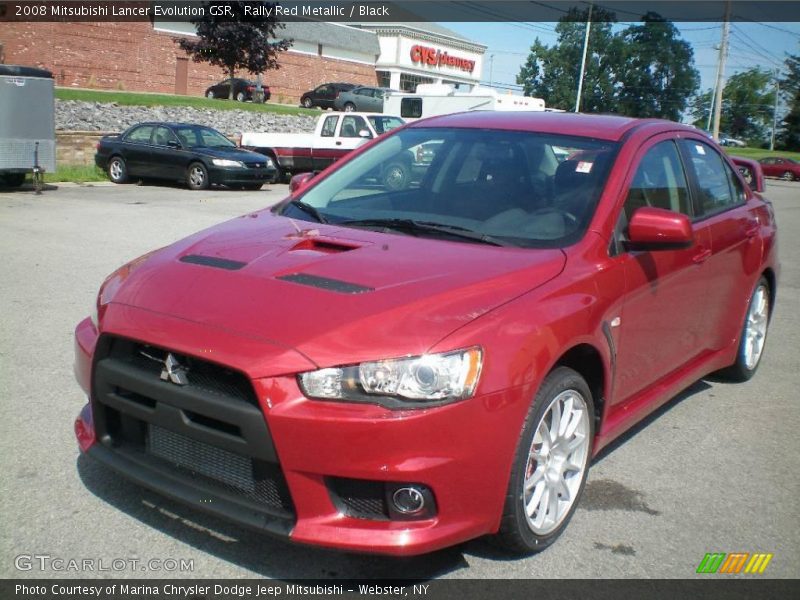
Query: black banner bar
x: 402, y: 11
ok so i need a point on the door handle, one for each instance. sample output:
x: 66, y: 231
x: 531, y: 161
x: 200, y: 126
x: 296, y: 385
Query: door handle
x: 338, y: 143
x: 702, y: 255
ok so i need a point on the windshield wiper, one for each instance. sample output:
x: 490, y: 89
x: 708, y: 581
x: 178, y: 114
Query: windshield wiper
x: 412, y: 225
x: 309, y: 210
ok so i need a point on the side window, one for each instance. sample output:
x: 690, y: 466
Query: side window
x: 659, y: 182
x: 140, y: 135
x: 329, y: 126
x: 163, y: 136
x: 411, y: 108
x: 323, y: 90
x: 351, y: 126
x: 715, y: 179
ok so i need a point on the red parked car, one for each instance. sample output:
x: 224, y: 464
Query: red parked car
x: 785, y: 168
x: 396, y: 371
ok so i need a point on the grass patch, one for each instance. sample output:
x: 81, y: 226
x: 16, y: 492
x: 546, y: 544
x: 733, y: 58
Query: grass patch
x: 76, y: 174
x: 756, y: 153
x: 139, y: 99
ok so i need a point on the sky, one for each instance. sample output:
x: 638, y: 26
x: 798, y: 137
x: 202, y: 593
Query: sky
x: 762, y: 45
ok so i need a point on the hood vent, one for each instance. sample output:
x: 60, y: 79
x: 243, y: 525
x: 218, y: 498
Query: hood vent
x: 213, y: 261
x: 323, y: 246
x: 332, y: 285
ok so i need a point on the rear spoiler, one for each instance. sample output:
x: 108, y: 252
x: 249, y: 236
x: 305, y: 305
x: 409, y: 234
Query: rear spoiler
x: 751, y: 171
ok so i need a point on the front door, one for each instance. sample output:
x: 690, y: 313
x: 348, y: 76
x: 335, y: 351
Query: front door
x: 661, y: 325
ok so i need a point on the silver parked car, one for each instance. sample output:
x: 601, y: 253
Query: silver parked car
x: 362, y: 99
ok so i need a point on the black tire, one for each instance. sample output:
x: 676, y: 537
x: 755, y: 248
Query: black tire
x: 396, y: 176
x: 516, y: 534
x: 788, y: 176
x: 117, y: 170
x: 742, y: 369
x: 210, y: 94
x: 197, y: 176
x: 349, y: 107
x: 12, y: 179
x: 307, y: 102
x: 241, y: 97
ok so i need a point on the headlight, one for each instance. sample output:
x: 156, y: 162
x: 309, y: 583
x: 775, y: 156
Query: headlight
x: 402, y: 382
x: 224, y: 162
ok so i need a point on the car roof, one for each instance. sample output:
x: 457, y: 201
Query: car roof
x: 171, y: 124
x: 605, y: 127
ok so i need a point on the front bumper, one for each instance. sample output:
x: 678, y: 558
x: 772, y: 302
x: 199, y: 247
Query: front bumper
x: 462, y: 452
x: 239, y: 176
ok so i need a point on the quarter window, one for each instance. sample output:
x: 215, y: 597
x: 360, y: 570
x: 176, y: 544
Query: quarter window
x: 659, y: 182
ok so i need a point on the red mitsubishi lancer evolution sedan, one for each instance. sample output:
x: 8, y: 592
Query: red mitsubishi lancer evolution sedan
x: 396, y: 370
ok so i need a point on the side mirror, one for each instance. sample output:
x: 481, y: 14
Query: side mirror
x: 364, y: 133
x: 173, y: 144
x: 659, y: 229
x: 751, y: 171
x: 299, y: 181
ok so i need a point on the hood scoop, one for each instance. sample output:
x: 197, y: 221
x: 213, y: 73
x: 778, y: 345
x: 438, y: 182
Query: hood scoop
x: 325, y: 283
x: 323, y: 246
x: 213, y: 261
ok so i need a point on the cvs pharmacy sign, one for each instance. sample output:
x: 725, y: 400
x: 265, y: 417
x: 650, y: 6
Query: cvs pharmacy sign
x: 431, y: 56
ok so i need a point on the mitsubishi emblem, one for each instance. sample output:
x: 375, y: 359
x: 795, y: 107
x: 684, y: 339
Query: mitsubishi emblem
x: 174, y: 371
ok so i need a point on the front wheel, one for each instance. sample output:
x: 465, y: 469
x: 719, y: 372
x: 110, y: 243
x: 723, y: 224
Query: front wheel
x: 396, y: 176
x: 210, y: 94
x: 788, y: 176
x: 240, y: 97
x: 349, y: 107
x: 550, y: 464
x: 753, y: 337
x: 197, y: 177
x: 117, y: 170
x: 307, y: 103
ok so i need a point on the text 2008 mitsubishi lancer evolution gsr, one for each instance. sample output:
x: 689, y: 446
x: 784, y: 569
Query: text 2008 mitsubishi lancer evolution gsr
x: 399, y: 370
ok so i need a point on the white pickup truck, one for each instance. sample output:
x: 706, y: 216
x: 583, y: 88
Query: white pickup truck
x: 335, y: 135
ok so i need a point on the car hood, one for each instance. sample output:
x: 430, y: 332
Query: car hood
x: 337, y: 295
x: 229, y: 153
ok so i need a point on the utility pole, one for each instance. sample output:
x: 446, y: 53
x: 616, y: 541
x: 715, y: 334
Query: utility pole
x: 723, y: 53
x: 713, y: 96
x: 775, y: 110
x: 491, y: 69
x: 583, y: 60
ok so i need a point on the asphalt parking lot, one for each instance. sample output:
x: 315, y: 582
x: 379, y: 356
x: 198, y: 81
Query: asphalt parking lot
x: 714, y: 471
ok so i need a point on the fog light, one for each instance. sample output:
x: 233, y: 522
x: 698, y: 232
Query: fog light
x: 408, y: 500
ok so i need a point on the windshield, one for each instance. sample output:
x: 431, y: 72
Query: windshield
x: 383, y: 124
x: 502, y: 187
x: 192, y: 136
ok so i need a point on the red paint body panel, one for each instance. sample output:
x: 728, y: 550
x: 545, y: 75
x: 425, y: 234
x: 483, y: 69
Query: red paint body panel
x: 656, y: 321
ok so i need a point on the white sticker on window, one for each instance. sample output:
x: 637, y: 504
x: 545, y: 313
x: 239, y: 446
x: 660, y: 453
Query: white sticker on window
x: 584, y: 167
x: 699, y: 149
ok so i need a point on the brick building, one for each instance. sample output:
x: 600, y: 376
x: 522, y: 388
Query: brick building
x: 143, y: 56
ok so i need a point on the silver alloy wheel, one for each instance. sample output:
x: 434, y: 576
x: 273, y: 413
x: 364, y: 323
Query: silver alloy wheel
x: 349, y: 107
x: 210, y: 94
x: 394, y: 177
x: 115, y: 169
x: 197, y: 176
x: 557, y: 459
x: 240, y: 97
x: 787, y: 176
x: 307, y: 103
x: 755, y: 330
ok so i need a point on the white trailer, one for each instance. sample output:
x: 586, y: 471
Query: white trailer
x: 432, y: 100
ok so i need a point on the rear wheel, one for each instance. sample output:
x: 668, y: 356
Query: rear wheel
x: 349, y: 107
x: 788, y: 176
x: 753, y: 337
x: 307, y: 103
x: 197, y: 176
x: 396, y: 176
x: 117, y: 170
x: 241, y: 96
x: 550, y: 464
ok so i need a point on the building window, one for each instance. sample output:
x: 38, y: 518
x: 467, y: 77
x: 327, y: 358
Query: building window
x: 384, y: 79
x: 408, y: 83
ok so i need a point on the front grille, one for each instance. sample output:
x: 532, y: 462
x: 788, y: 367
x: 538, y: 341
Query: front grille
x: 208, y: 435
x: 202, y: 375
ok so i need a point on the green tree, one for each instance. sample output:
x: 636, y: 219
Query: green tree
x: 235, y: 40
x: 656, y: 76
x: 789, y: 136
x: 552, y: 72
x: 747, y: 101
